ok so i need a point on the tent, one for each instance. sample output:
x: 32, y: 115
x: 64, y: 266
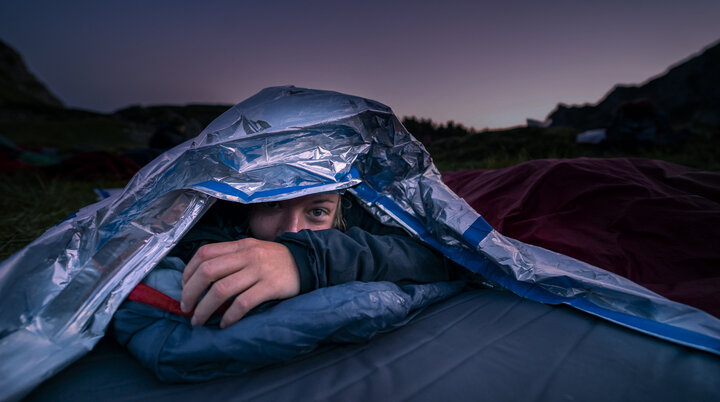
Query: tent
x: 61, y: 291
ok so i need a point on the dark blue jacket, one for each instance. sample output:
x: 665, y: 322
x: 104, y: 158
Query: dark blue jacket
x: 367, y: 251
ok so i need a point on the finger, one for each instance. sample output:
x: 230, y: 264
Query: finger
x: 204, y: 253
x: 210, y: 251
x: 246, y: 301
x: 206, y: 273
x: 221, y: 291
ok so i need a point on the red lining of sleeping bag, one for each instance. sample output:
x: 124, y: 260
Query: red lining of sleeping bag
x: 145, y: 294
x: 653, y: 222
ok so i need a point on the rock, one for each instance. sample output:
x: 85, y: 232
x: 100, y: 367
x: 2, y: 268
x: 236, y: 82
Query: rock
x: 688, y: 93
x: 18, y: 86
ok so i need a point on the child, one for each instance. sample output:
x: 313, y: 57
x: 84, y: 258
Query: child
x: 284, y: 248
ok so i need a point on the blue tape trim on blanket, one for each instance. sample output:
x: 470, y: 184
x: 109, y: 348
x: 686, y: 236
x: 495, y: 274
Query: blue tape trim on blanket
x: 462, y: 257
x: 227, y: 189
x: 661, y: 330
x: 473, y: 235
x: 477, y: 263
x: 477, y: 232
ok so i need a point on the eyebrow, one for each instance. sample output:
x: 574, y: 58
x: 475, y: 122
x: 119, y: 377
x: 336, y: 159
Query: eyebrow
x: 323, y: 201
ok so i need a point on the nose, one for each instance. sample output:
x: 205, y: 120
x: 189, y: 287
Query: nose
x: 294, y: 222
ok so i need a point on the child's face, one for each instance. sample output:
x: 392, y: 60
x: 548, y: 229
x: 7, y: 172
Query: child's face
x: 268, y: 220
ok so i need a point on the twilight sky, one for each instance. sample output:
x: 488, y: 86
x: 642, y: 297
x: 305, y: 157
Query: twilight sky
x: 479, y: 63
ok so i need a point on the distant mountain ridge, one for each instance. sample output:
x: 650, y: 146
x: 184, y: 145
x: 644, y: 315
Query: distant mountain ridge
x: 688, y: 93
x: 18, y: 86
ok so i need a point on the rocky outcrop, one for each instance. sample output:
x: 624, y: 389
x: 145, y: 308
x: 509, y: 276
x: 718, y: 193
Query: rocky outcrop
x: 688, y: 93
x: 18, y: 86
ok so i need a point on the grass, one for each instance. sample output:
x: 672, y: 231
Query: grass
x: 503, y: 148
x: 78, y: 134
x: 30, y: 204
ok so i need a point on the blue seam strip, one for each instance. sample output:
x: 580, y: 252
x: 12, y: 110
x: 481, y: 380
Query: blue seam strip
x: 664, y: 331
x: 477, y: 232
x: 227, y: 189
x: 476, y: 262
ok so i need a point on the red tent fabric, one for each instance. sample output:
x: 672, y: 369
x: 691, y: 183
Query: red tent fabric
x: 654, y: 222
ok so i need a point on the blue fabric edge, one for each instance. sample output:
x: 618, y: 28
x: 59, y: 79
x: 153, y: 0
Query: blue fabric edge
x: 481, y: 265
x: 476, y: 262
x: 223, y: 188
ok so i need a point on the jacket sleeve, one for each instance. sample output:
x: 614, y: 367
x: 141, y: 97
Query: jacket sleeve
x: 331, y: 257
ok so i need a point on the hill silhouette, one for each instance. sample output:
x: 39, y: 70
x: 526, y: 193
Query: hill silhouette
x: 18, y: 86
x: 688, y: 93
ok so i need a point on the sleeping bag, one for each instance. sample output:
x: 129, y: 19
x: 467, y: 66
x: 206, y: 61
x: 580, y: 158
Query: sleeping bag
x: 167, y: 344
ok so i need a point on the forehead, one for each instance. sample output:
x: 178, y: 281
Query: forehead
x: 314, y: 199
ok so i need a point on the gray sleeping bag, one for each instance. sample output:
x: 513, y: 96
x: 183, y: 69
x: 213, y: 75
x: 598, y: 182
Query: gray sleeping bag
x: 174, y: 350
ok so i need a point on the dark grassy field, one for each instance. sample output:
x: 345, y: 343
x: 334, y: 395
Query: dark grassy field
x: 32, y: 202
x: 498, y: 149
x: 74, y: 134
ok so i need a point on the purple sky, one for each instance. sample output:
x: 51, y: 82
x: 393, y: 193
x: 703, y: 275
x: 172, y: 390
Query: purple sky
x: 479, y: 63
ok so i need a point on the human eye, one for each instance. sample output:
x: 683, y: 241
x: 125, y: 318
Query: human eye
x: 271, y: 205
x: 318, y: 212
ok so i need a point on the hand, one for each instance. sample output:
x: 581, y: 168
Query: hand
x: 250, y: 270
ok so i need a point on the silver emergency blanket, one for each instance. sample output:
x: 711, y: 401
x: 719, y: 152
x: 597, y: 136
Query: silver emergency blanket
x: 60, y: 292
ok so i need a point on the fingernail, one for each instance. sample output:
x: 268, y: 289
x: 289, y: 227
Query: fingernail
x: 193, y: 321
x: 183, y: 307
x: 222, y: 325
